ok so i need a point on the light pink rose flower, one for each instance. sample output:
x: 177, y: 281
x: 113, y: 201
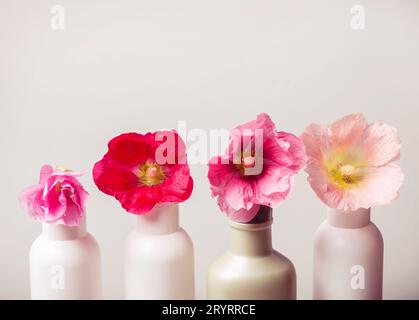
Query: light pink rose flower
x: 59, y: 197
x: 353, y: 164
x: 239, y: 195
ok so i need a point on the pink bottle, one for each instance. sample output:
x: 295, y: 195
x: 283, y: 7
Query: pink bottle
x: 348, y: 257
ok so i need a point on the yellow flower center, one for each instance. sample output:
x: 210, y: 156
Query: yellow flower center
x: 151, y: 174
x: 345, y: 168
x: 347, y: 172
x: 346, y: 175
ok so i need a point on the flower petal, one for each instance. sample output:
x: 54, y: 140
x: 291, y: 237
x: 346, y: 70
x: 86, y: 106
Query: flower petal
x: 243, y: 215
x: 381, y: 143
x: 46, y: 171
x: 263, y: 121
x: 170, y: 148
x: 139, y: 200
x: 219, y: 172
x: 314, y: 138
x: 346, y: 130
x: 55, y: 200
x: 111, y: 178
x: 72, y: 216
x: 381, y: 187
x: 322, y: 186
x: 177, y: 187
x: 273, y: 185
x: 294, y: 149
x: 131, y: 149
x: 239, y: 194
x: 30, y: 200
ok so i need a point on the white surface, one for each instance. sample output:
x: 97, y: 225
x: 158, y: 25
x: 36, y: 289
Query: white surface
x: 142, y: 65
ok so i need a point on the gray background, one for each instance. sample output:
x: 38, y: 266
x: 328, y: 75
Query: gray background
x: 142, y: 65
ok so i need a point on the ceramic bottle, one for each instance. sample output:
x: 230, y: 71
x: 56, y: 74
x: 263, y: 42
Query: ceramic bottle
x: 251, y: 269
x: 348, y: 257
x: 65, y: 263
x: 159, y: 258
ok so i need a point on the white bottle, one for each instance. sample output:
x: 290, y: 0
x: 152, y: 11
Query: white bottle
x: 348, y: 257
x: 65, y: 264
x: 159, y: 261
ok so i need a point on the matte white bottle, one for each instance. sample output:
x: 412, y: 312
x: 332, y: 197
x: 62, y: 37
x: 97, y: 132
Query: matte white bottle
x: 348, y: 257
x: 65, y: 264
x: 159, y: 260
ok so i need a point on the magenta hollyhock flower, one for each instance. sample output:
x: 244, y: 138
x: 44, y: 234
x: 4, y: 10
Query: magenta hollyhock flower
x: 279, y: 156
x: 353, y: 164
x: 58, y: 198
x: 141, y: 171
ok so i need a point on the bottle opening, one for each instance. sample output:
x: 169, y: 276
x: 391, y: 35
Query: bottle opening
x: 264, y: 215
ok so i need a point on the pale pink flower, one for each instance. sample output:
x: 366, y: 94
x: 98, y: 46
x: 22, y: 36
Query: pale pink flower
x: 240, y: 195
x: 58, y: 198
x: 353, y: 164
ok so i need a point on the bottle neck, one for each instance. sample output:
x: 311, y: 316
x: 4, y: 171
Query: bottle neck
x: 349, y: 219
x: 62, y: 232
x: 251, y: 239
x: 162, y: 219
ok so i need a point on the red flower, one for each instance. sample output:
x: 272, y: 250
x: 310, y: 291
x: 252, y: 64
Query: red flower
x: 141, y: 171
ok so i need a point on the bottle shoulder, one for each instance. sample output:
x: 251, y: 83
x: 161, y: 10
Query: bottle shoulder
x: 368, y: 236
x: 85, y: 243
x: 171, y: 244
x: 233, y: 266
x: 180, y: 235
x: 82, y: 248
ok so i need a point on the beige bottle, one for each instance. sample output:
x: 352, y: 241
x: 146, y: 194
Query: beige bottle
x: 251, y: 269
